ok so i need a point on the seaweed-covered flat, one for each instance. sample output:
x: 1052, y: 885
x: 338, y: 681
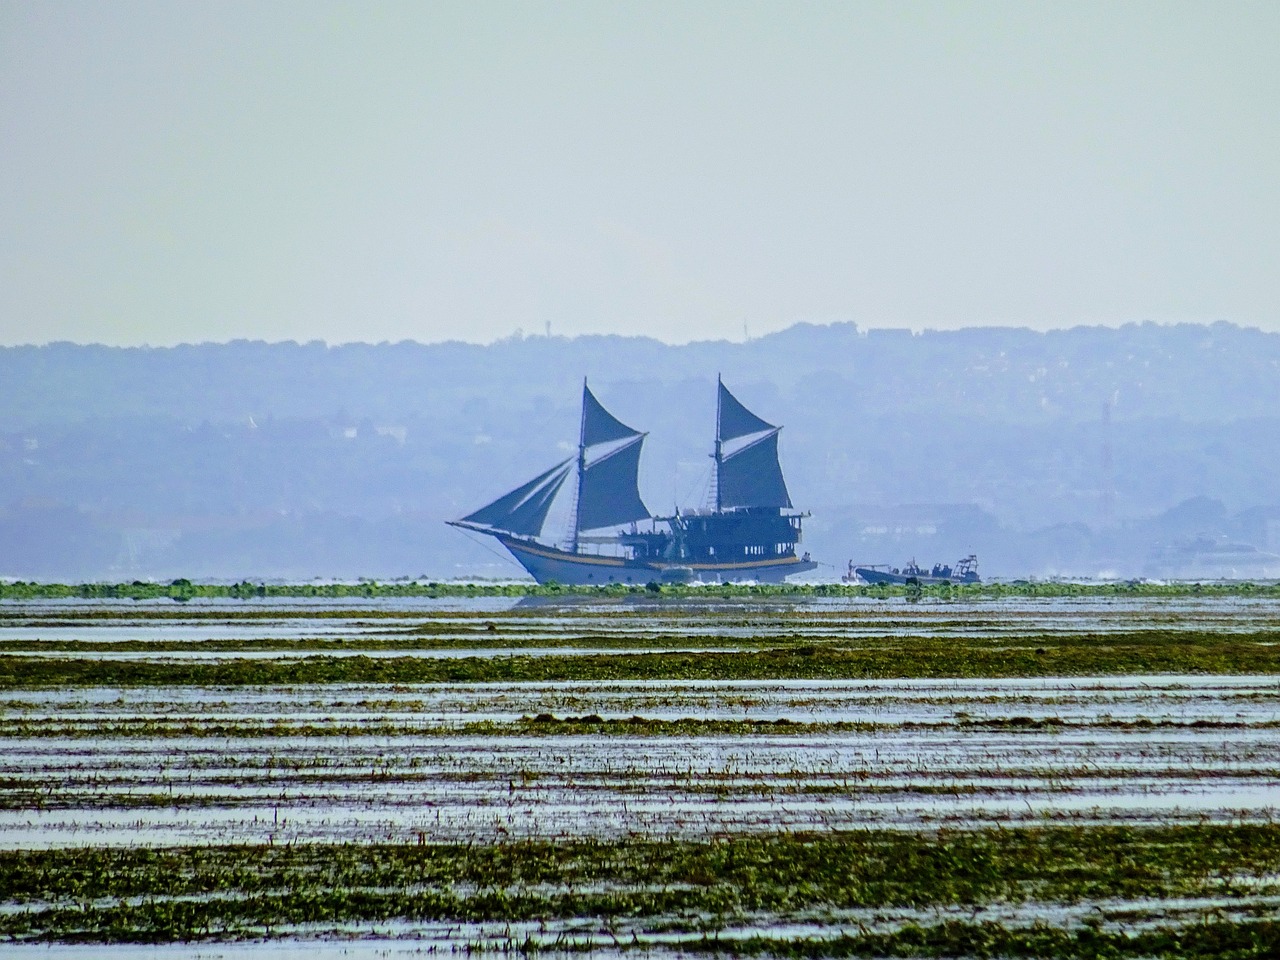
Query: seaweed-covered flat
x: 648, y: 773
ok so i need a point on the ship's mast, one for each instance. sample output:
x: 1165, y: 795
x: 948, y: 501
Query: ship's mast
x: 582, y: 464
x: 718, y: 455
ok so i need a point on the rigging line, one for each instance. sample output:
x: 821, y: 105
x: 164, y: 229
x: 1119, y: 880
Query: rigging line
x: 485, y: 546
x: 701, y: 488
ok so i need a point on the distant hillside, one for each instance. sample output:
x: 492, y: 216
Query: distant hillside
x: 1069, y: 451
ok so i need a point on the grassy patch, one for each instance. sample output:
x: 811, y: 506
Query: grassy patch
x: 202, y: 892
x: 1113, y: 655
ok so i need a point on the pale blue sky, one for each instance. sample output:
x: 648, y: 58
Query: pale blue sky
x: 384, y: 171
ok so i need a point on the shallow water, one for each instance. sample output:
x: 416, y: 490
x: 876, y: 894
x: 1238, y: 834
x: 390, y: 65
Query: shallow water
x: 816, y: 619
x: 929, y: 759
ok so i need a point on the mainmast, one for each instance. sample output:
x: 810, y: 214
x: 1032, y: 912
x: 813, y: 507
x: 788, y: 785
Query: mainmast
x: 582, y: 464
x: 749, y: 476
x: 719, y: 454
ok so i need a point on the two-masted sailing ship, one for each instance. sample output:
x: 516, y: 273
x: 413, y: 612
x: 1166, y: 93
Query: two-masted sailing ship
x: 750, y: 533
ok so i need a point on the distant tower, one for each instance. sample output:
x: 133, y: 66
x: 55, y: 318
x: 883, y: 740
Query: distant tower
x: 1107, y: 483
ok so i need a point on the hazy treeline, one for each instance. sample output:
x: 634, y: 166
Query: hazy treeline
x: 1076, y: 451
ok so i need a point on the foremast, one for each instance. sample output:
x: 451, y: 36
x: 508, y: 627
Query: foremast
x: 607, y: 491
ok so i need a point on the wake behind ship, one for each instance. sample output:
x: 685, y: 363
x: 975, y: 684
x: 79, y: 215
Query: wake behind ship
x: 750, y: 534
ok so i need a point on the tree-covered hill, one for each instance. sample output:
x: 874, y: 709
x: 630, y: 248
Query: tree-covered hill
x: 1044, y: 452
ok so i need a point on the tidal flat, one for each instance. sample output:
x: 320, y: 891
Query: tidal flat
x: 813, y: 776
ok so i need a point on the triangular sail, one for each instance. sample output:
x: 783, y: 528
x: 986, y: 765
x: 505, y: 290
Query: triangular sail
x: 608, y: 491
x: 733, y: 420
x: 529, y: 517
x: 599, y: 425
x: 752, y: 476
x: 524, y: 509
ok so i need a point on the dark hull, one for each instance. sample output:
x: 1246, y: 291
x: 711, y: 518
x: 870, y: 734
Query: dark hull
x: 546, y: 563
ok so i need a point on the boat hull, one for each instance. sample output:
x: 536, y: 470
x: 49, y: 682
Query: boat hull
x: 873, y: 576
x: 546, y: 564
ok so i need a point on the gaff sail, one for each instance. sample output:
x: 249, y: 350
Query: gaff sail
x: 608, y: 487
x: 599, y: 425
x: 609, y: 491
x: 750, y: 476
x: 733, y: 420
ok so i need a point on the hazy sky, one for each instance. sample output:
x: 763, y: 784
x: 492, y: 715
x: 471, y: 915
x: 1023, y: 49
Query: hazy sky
x: 383, y: 171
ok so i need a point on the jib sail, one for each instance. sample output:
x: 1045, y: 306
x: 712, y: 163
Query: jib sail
x: 524, y: 509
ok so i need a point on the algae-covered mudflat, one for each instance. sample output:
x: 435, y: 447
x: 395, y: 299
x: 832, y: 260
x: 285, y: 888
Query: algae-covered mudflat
x: 645, y: 772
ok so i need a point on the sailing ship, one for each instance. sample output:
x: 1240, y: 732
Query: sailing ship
x: 750, y: 533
